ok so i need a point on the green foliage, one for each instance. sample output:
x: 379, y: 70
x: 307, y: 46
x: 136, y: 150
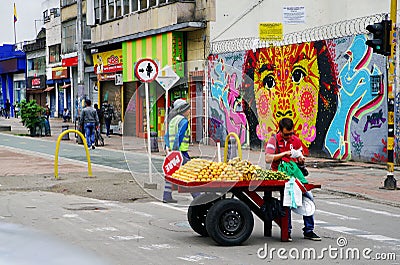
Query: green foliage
x: 31, y: 114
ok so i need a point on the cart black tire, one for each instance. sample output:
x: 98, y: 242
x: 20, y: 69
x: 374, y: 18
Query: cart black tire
x: 229, y: 222
x: 198, y: 210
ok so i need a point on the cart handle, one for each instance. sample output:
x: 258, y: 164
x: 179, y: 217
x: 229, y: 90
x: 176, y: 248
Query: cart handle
x: 226, y: 145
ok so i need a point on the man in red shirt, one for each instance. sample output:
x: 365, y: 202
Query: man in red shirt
x: 280, y: 147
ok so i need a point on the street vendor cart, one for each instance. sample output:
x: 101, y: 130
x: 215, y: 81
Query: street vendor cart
x: 224, y: 209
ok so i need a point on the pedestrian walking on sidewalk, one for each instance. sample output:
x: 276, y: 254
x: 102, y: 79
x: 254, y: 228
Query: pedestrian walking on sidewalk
x: 89, y: 121
x: 177, y: 137
x: 108, y: 115
x: 279, y: 149
x: 7, y: 108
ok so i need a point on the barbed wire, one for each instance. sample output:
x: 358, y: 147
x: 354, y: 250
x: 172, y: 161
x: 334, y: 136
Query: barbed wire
x: 332, y: 31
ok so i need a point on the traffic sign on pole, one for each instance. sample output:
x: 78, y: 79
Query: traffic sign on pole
x: 167, y: 77
x: 146, y: 70
x: 172, y: 162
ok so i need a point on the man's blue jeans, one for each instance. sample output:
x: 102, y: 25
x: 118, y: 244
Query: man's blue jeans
x: 308, y: 220
x: 89, y: 133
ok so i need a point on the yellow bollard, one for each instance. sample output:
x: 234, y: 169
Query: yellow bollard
x: 226, y: 145
x: 58, y: 148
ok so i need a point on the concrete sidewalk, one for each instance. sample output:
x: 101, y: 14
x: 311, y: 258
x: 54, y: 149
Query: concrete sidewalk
x: 363, y: 180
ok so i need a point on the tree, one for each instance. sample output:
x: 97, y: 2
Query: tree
x: 31, y: 115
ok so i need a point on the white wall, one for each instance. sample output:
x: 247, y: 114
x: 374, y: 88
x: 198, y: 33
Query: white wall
x: 317, y: 13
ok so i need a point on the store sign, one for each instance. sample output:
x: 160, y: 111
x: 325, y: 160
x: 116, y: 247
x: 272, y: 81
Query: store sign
x: 59, y: 73
x: 108, y: 62
x: 172, y: 162
x: 72, y: 61
x: 178, y: 55
x: 36, y: 82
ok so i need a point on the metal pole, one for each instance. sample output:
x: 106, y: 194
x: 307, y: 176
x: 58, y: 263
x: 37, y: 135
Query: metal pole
x: 390, y: 181
x: 79, y: 39
x: 148, y: 129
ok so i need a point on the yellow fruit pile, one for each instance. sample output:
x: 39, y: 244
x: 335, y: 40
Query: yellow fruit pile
x: 245, y: 167
x: 235, y: 170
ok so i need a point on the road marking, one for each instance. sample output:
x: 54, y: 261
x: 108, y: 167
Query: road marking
x: 170, y: 206
x: 339, y: 216
x: 101, y: 229
x: 345, y: 230
x: 74, y: 216
x: 197, y: 257
x: 125, y: 238
x: 157, y: 246
x: 364, y: 209
x: 380, y: 238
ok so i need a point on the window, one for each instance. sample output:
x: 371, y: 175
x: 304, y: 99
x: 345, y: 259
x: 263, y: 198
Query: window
x: 67, y: 2
x: 55, y: 53
x: 118, y: 4
x: 68, y: 37
x: 162, y: 2
x: 97, y: 11
x: 36, y: 66
x: 135, y: 6
x: 143, y: 4
x: 46, y: 17
x: 152, y: 3
x: 103, y: 8
x: 111, y: 9
x: 126, y: 7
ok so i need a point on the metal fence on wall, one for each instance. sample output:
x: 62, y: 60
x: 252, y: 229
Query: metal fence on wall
x: 331, y: 31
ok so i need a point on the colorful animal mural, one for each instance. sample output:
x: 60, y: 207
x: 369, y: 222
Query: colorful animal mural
x: 324, y: 86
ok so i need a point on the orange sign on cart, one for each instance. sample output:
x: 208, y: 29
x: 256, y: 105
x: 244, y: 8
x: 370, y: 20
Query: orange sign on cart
x: 172, y: 162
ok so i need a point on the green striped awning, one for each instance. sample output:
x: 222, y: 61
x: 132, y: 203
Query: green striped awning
x: 163, y: 48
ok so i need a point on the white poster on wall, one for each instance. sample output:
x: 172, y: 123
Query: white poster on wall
x: 294, y: 15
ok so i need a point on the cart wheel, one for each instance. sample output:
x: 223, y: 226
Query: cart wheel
x: 198, y: 210
x: 229, y: 222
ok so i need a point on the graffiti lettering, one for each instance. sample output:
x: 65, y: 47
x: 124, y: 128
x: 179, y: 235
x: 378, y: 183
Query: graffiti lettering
x: 375, y: 120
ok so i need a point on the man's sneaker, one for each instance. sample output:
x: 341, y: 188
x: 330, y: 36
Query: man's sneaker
x: 93, y: 147
x: 169, y: 200
x: 289, y: 238
x: 312, y: 236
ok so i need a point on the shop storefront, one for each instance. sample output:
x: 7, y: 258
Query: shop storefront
x: 108, y: 68
x: 60, y: 92
x: 166, y: 49
x: 36, y: 86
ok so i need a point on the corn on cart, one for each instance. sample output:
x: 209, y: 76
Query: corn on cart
x: 228, y: 220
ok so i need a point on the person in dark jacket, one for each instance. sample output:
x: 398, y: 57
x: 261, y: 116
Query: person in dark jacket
x: 89, y: 121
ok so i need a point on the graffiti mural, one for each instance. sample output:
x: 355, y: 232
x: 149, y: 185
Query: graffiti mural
x: 226, y: 111
x: 323, y: 86
x: 355, y: 100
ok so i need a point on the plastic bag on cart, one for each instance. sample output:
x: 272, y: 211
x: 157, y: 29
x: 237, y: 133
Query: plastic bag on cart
x: 292, y: 195
x: 272, y: 208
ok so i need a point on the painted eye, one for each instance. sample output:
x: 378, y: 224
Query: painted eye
x: 269, y: 82
x: 298, y: 75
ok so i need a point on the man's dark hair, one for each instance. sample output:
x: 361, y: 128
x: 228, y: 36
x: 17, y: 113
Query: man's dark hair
x: 286, y: 123
x: 88, y: 102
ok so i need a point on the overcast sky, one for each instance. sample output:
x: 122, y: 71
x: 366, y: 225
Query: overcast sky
x: 28, y: 11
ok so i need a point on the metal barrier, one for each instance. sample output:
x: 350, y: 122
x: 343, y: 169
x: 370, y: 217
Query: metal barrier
x: 58, y: 148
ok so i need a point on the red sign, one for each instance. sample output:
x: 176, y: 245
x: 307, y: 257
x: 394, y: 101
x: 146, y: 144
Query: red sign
x: 72, y: 61
x: 172, y: 162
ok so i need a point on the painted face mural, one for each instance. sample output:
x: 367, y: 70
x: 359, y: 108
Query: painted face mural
x: 286, y: 84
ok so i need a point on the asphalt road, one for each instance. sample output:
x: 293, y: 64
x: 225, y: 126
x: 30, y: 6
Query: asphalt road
x: 111, y: 218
